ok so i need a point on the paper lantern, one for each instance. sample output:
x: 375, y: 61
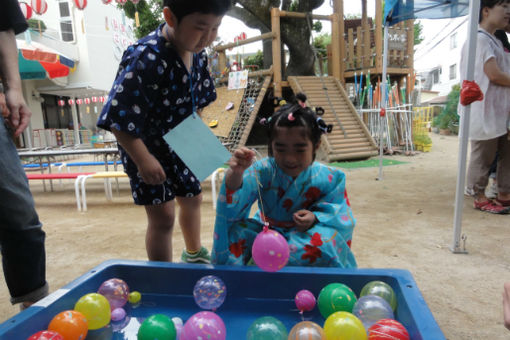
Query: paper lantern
x: 79, y: 101
x: 94, y: 99
x: 80, y: 4
x: 106, y: 2
x: 87, y: 101
x: 26, y: 9
x: 61, y: 102
x: 121, y: 2
x: 102, y: 99
x: 39, y: 6
x: 70, y: 102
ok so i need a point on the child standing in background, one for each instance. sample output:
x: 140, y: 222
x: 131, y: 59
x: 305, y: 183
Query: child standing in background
x: 163, y: 79
x: 304, y: 200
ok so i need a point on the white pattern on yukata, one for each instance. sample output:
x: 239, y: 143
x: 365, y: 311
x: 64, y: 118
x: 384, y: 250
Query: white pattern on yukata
x: 150, y: 96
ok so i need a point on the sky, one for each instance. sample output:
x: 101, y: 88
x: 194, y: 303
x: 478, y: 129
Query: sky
x: 230, y: 27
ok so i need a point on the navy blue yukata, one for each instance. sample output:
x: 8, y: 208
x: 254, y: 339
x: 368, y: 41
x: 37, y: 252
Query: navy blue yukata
x: 152, y: 93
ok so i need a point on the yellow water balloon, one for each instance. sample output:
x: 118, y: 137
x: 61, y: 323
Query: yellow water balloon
x: 96, y: 309
x: 344, y: 326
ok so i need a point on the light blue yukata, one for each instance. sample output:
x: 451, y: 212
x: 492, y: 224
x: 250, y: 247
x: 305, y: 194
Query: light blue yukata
x: 319, y: 188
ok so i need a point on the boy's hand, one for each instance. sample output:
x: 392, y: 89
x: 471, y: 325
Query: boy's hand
x: 304, y: 220
x: 151, y: 171
x: 241, y: 160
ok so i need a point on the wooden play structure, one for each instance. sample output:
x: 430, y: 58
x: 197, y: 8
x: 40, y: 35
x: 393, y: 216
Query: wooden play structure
x: 348, y: 53
x: 362, y: 47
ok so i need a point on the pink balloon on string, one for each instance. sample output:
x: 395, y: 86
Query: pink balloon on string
x: 270, y: 250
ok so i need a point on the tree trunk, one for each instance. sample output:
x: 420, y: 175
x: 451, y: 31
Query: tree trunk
x: 295, y: 32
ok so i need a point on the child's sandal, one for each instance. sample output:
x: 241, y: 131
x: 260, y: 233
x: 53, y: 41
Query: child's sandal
x: 491, y: 207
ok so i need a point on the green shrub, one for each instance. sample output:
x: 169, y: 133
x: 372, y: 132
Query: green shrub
x: 448, y: 116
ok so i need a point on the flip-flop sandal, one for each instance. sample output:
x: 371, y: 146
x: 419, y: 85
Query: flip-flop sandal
x: 504, y: 203
x: 491, y: 207
x: 213, y: 123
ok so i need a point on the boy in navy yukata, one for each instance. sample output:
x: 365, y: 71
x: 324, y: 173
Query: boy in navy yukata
x: 163, y: 79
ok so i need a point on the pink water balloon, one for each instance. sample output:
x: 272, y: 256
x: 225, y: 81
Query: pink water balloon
x: 204, y: 325
x: 270, y: 250
x: 305, y: 300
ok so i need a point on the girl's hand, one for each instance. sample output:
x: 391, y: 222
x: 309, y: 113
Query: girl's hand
x: 151, y: 170
x: 241, y: 160
x: 304, y: 220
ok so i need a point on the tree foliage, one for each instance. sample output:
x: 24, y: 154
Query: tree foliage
x: 448, y: 118
x: 255, y: 60
x: 418, y: 28
x: 150, y: 13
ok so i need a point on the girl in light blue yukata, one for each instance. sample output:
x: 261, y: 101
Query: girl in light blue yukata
x: 304, y: 200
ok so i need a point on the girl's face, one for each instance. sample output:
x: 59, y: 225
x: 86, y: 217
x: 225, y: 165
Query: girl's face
x: 292, y: 149
x: 498, y: 16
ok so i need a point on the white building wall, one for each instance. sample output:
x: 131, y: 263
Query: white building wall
x: 437, y: 51
x: 97, y: 48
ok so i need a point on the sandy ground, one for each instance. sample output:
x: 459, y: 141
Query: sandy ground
x: 404, y: 221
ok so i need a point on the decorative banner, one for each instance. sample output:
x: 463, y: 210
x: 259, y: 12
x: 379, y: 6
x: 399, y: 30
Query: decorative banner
x: 39, y: 6
x: 80, y: 4
x: 61, y: 102
x: 238, y: 80
x: 70, y: 102
x: 26, y: 9
x: 94, y: 99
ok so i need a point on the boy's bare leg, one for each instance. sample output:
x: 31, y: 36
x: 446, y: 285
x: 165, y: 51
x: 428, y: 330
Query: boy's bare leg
x: 158, y: 239
x: 506, y: 304
x: 189, y: 219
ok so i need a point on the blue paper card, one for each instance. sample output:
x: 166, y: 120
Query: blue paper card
x: 197, y: 146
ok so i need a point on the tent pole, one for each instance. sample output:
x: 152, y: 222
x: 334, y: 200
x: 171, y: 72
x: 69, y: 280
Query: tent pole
x: 384, y: 99
x: 474, y: 10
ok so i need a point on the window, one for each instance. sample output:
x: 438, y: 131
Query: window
x: 435, y: 75
x: 453, y: 41
x: 66, y: 21
x: 453, y: 71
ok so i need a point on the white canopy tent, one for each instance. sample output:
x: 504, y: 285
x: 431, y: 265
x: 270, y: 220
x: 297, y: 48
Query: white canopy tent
x: 399, y: 10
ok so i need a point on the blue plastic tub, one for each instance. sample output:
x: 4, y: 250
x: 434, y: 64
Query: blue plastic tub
x: 168, y: 288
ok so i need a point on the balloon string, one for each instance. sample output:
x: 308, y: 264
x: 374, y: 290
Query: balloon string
x: 259, y: 185
x: 302, y: 316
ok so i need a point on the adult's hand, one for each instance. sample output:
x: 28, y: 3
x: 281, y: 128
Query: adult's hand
x: 20, y: 114
x: 3, y: 106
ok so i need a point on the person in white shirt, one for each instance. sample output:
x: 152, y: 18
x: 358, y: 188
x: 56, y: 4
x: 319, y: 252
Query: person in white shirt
x: 489, y: 117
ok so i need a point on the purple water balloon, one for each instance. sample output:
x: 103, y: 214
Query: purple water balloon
x: 116, y: 291
x: 204, y: 325
x: 305, y: 300
x: 372, y: 308
x: 118, y: 314
x: 209, y: 292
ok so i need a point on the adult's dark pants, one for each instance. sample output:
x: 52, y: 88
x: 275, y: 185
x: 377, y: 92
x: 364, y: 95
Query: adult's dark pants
x: 21, y: 234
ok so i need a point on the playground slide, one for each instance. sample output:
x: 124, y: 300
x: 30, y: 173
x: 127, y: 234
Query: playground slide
x: 350, y: 138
